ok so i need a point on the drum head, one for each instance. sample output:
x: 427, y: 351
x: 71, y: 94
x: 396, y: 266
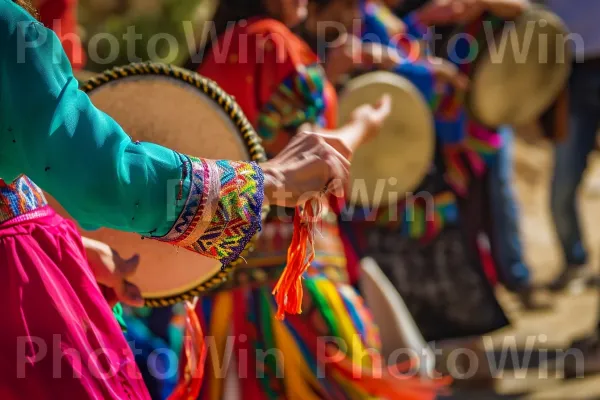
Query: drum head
x: 392, y: 164
x: 189, y: 114
x: 523, y: 72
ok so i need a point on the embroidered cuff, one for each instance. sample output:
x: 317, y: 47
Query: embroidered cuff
x: 222, y: 211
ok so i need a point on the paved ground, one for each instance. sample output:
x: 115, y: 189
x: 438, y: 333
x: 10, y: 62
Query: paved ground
x: 575, y: 312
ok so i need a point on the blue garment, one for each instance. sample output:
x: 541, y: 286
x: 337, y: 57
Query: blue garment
x: 375, y: 31
x: 505, y: 214
x: 155, y: 351
x: 571, y: 160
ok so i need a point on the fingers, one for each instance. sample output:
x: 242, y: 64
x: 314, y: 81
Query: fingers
x: 331, y: 168
x: 338, y: 184
x: 338, y: 144
x: 338, y: 173
x: 129, y: 294
x: 384, y: 107
x: 125, y: 268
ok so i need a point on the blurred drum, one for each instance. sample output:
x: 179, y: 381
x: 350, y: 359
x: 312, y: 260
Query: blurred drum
x: 395, y: 162
x: 517, y: 75
x: 181, y: 110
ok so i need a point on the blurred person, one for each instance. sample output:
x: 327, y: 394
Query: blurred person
x: 279, y: 92
x: 571, y: 159
x: 461, y: 179
x: 571, y: 156
x: 513, y: 271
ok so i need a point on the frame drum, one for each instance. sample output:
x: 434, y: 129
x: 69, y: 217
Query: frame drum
x: 396, y: 160
x: 519, y: 76
x: 190, y: 114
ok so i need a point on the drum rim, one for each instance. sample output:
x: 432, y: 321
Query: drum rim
x: 531, y: 10
x: 228, y: 104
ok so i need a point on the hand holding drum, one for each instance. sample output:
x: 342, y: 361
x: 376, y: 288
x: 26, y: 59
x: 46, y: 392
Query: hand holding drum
x: 130, y: 94
x: 518, y: 71
x: 309, y: 162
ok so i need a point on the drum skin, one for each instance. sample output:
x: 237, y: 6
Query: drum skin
x: 185, y: 112
x: 522, y: 73
x: 393, y: 163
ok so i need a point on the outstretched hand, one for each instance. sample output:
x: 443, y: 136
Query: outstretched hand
x: 372, y: 117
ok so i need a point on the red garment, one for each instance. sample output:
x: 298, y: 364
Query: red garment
x: 52, y: 304
x: 253, y: 71
x: 61, y: 17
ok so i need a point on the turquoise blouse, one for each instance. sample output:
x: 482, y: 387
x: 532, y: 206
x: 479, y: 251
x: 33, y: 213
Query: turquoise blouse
x: 51, y: 132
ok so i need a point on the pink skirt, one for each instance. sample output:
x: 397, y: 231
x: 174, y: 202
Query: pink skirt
x: 58, y: 337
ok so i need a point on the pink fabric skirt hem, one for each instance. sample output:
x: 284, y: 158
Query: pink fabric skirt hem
x: 59, y: 338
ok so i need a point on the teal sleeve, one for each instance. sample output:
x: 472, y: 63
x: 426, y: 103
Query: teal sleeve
x: 51, y: 132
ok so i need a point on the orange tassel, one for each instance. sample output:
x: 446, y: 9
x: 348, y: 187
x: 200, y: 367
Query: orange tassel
x: 288, y: 291
x: 190, y: 381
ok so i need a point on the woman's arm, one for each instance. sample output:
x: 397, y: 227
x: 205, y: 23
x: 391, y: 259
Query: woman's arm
x: 50, y: 131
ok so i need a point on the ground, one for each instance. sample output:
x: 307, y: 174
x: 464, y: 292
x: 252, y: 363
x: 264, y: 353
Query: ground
x: 574, y: 313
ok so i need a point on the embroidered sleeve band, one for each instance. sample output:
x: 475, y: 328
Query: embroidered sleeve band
x: 222, y: 210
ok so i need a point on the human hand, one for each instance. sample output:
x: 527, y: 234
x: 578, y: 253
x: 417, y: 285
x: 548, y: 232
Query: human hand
x: 112, y: 271
x: 309, y: 165
x: 371, y: 118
